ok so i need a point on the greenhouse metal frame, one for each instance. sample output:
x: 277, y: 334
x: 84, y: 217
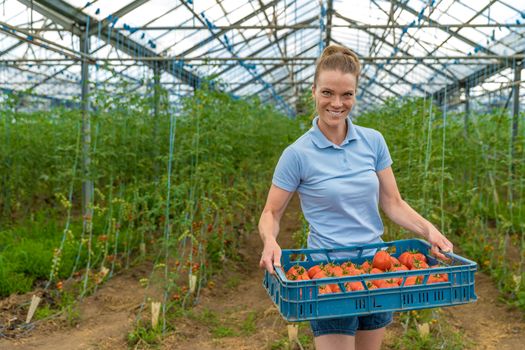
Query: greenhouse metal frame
x: 269, y: 47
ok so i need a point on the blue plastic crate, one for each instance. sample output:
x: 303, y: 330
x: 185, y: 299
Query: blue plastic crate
x: 301, y: 301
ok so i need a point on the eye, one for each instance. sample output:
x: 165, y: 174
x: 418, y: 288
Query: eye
x: 349, y: 94
x: 326, y: 93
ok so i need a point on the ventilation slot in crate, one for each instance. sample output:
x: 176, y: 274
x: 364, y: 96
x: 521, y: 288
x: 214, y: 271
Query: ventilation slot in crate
x: 439, y: 295
x: 407, y: 299
x: 360, y: 304
x: 423, y: 297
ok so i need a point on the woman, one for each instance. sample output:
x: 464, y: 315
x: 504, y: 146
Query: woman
x: 342, y: 173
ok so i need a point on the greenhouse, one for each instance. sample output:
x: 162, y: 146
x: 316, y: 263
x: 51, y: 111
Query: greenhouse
x: 212, y: 174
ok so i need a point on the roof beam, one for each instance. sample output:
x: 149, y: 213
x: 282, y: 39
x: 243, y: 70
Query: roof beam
x: 443, y: 26
x: 330, y: 14
x: 352, y: 22
x: 223, y: 31
x: 279, y: 81
x: 119, y: 13
x: 391, y: 73
x: 454, y: 33
x: 444, y: 71
x: 274, y: 35
x: 283, y: 37
x: 476, y: 77
x: 278, y: 99
x: 75, y: 20
x: 270, y: 70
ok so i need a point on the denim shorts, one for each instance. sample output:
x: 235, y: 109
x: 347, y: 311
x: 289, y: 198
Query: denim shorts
x: 350, y: 325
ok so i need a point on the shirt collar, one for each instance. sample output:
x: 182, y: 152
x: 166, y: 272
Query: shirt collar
x: 321, y: 141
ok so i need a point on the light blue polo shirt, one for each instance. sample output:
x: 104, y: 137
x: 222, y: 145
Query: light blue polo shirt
x: 337, y: 185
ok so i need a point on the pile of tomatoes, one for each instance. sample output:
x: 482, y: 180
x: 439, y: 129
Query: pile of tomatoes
x: 382, y: 262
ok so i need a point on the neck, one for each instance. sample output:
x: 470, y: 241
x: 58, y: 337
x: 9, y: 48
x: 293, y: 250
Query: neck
x: 335, y: 134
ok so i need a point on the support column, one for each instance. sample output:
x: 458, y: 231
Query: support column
x: 329, y: 13
x: 156, y: 116
x: 322, y: 26
x: 516, y: 105
x: 87, y: 182
x: 156, y: 92
x: 467, y: 108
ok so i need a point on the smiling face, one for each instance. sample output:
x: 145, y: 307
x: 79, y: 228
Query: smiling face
x: 334, y: 95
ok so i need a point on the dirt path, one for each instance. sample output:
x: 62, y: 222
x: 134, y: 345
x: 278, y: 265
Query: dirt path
x: 486, y: 324
x: 489, y: 323
x: 236, y: 313
x: 104, y: 318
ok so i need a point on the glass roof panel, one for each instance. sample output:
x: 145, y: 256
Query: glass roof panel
x: 99, y: 9
x: 410, y: 47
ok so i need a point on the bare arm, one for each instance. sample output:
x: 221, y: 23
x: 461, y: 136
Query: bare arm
x: 402, y: 214
x: 276, y: 204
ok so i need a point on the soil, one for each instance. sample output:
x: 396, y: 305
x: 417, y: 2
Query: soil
x: 103, y: 317
x: 234, y: 312
x: 489, y: 323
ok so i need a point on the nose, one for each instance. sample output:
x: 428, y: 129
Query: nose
x: 337, y: 101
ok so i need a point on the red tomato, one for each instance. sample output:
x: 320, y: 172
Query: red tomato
x: 395, y: 261
x: 370, y: 285
x: 437, y: 278
x: 324, y: 290
x: 389, y: 283
x: 320, y: 274
x: 354, y: 286
x: 382, y: 260
x: 412, y: 280
x: 420, y: 257
x: 335, y: 288
x: 409, y: 257
x: 312, y: 271
x: 366, y: 266
x: 378, y: 283
x: 406, y: 259
x: 399, y: 268
x: 348, y: 265
x: 352, y: 271
x: 297, y: 273
x: 336, y: 271
x: 419, y: 265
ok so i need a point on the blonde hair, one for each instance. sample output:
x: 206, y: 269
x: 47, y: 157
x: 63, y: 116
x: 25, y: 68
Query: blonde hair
x: 335, y: 57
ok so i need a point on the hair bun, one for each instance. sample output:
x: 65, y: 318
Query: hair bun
x: 336, y: 49
x: 335, y: 57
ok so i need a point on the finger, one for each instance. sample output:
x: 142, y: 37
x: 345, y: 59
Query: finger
x: 277, y: 259
x: 262, y: 264
x: 436, y: 252
x: 265, y: 263
x: 269, y: 265
x: 447, y: 247
x: 270, y: 269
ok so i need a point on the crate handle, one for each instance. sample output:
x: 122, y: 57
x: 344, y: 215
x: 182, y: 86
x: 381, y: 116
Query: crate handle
x: 279, y: 272
x: 457, y: 260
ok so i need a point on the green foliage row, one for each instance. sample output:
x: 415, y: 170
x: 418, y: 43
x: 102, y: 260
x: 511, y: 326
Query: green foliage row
x: 223, y: 152
x: 467, y: 179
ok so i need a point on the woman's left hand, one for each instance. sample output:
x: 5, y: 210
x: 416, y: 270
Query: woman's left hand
x: 439, y: 243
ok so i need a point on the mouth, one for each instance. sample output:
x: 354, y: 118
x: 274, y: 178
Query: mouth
x: 336, y: 114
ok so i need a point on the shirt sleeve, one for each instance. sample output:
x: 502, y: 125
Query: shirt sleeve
x: 383, y: 159
x: 287, y: 172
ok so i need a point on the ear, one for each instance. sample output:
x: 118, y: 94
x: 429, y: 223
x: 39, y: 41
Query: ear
x: 313, y: 91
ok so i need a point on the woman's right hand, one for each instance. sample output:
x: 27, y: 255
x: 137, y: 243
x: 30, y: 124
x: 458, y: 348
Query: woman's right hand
x: 271, y: 256
x: 276, y: 203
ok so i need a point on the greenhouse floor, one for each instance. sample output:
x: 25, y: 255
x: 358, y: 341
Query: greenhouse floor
x: 234, y: 312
